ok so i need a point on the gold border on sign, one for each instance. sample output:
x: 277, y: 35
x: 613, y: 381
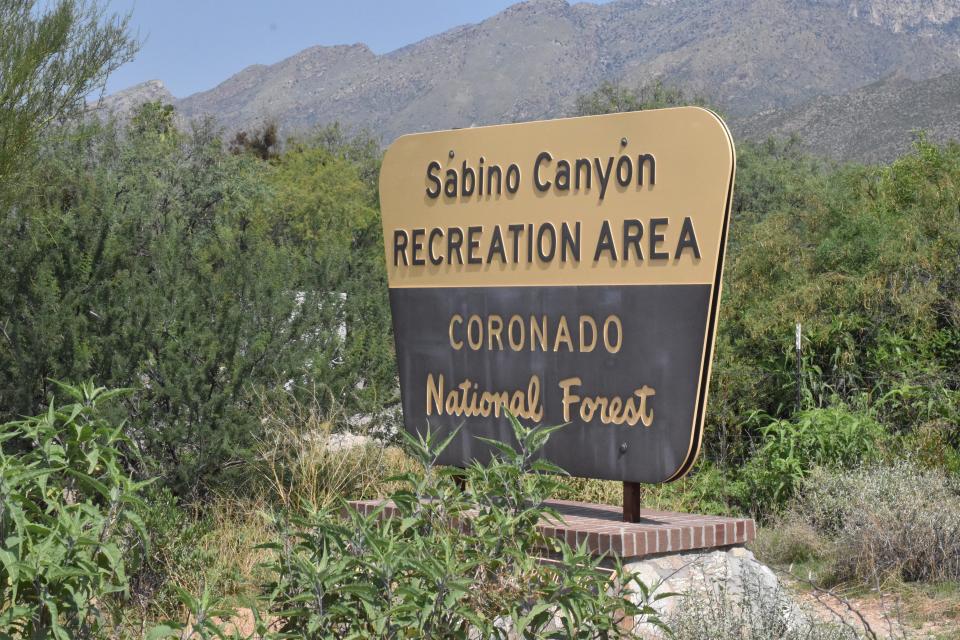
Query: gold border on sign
x: 699, y: 417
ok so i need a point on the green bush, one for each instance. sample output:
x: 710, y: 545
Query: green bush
x: 789, y: 449
x: 866, y: 258
x: 68, y: 520
x: 431, y: 569
x: 151, y: 258
x: 170, y: 556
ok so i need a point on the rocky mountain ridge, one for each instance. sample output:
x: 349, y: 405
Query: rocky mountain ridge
x: 533, y: 59
x: 900, y: 15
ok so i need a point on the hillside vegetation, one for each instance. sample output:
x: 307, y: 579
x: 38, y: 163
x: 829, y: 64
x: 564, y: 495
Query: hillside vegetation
x: 876, y: 123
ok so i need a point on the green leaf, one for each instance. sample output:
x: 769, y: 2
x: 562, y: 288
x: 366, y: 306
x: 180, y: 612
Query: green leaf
x: 162, y: 631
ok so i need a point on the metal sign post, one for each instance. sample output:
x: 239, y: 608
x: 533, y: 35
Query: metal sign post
x: 798, y: 346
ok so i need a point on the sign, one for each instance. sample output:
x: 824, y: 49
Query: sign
x: 568, y: 271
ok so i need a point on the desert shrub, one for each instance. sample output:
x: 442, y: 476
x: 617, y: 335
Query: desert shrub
x: 431, y: 569
x: 755, y: 614
x: 899, y: 520
x: 789, y: 449
x: 68, y: 520
x: 790, y: 540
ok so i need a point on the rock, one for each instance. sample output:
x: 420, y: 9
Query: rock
x: 346, y: 441
x: 903, y: 15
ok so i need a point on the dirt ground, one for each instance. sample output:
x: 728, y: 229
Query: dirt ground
x: 895, y: 614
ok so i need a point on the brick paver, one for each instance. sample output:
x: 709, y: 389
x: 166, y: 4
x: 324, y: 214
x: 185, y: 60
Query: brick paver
x: 604, y: 532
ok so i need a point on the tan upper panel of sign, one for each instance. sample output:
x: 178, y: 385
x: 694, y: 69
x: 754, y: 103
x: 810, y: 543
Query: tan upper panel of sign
x: 669, y: 170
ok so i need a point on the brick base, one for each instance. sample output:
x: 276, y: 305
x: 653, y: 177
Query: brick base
x: 604, y: 532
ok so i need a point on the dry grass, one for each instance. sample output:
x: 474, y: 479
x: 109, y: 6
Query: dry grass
x: 591, y: 490
x: 791, y: 540
x: 750, y: 611
x: 899, y: 522
x: 305, y: 464
x: 300, y: 464
x: 236, y: 528
x: 699, y: 492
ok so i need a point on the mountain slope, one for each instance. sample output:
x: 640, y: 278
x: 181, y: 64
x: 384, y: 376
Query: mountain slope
x: 876, y: 123
x: 533, y: 59
x: 814, y: 68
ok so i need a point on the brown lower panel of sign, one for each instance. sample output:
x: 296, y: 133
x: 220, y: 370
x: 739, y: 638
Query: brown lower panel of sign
x: 620, y: 364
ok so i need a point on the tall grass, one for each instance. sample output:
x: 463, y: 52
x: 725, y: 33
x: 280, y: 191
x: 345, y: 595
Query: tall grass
x: 304, y: 463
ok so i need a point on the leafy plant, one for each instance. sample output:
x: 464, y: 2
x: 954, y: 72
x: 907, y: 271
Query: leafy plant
x: 789, y: 449
x: 68, y: 519
x: 440, y: 562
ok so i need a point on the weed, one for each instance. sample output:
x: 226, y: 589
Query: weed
x: 445, y: 564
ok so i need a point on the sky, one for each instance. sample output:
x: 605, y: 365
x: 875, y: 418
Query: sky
x: 193, y: 45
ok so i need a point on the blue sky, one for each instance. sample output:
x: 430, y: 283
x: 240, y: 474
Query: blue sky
x: 193, y: 45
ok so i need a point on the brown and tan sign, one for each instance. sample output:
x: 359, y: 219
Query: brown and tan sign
x: 568, y: 271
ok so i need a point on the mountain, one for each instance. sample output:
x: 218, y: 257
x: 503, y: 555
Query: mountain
x: 533, y: 59
x: 876, y: 123
x: 123, y: 102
